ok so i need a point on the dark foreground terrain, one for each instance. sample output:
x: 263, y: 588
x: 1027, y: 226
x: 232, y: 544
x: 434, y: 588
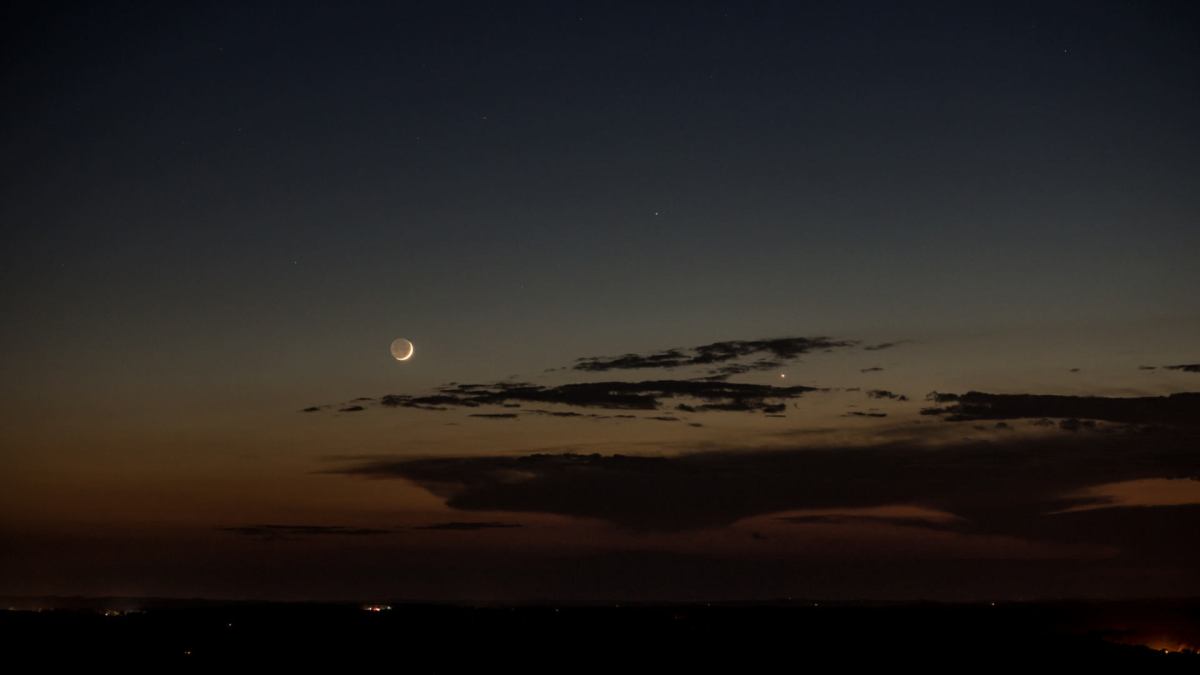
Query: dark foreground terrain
x: 790, y: 635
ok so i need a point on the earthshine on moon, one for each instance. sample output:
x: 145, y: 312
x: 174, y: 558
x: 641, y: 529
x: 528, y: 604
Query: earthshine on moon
x: 402, y: 349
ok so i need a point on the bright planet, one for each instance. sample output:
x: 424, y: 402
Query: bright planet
x: 402, y: 349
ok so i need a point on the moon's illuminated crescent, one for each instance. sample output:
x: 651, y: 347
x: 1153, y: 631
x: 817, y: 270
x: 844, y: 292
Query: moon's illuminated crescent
x: 402, y: 349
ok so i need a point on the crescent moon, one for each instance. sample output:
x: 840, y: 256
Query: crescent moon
x: 402, y: 350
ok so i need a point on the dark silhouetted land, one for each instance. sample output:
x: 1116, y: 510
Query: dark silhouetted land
x: 440, y: 638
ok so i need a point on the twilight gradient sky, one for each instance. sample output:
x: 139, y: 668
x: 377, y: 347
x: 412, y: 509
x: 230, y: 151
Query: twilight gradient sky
x: 217, y: 215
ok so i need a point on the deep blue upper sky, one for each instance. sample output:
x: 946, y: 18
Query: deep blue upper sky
x: 287, y: 187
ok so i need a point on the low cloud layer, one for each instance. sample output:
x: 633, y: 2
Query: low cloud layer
x: 1010, y: 486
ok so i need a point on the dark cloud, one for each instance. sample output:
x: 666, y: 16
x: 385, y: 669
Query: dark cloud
x: 857, y: 413
x: 352, y: 408
x: 1147, y: 368
x: 495, y: 416
x: 1073, y: 370
x: 884, y: 393
x: 777, y: 351
x: 1182, y: 410
x: 1010, y: 486
x: 707, y: 394
x: 312, y: 408
x: 431, y: 402
x: 1185, y: 367
x: 468, y: 526
x: 297, y: 531
x: 872, y: 369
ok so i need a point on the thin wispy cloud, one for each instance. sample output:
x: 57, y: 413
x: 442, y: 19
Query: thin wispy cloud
x: 774, y: 352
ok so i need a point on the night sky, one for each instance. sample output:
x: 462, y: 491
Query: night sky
x: 739, y: 300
